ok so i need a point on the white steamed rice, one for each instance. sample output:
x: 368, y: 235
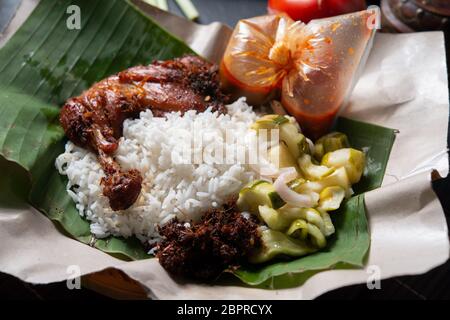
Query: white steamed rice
x: 170, y: 189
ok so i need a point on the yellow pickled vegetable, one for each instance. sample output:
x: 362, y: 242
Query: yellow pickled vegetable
x: 351, y: 159
x: 258, y: 193
x: 289, y: 132
x: 337, y: 178
x: 280, y: 156
x: 330, y: 142
x: 274, y: 219
x: 312, y: 171
x: 277, y: 243
x: 331, y: 198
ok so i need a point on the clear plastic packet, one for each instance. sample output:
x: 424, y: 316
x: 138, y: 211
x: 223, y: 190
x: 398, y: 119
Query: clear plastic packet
x: 311, y: 68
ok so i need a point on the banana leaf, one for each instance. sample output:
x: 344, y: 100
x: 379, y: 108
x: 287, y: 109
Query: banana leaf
x: 45, y: 63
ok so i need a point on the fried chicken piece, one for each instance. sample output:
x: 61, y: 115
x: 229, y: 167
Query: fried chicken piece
x: 222, y: 239
x: 94, y: 120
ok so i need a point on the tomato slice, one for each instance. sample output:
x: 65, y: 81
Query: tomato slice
x: 306, y: 10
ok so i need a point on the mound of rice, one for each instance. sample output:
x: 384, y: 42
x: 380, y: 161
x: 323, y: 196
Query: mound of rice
x: 170, y: 188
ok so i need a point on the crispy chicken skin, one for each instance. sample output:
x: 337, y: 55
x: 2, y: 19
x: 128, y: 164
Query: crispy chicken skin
x: 94, y: 119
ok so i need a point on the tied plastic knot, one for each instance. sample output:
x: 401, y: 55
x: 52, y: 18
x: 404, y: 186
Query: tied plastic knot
x: 280, y: 52
x: 273, y: 50
x: 299, y: 49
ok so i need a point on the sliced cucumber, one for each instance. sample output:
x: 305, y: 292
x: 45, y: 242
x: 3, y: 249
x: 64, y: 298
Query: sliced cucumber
x: 298, y: 229
x: 276, y: 243
x: 308, y: 214
x: 269, y: 121
x: 330, y: 142
x: 259, y: 193
x: 303, y: 230
x: 316, y: 236
x: 312, y: 171
x: 289, y: 132
x: 337, y: 178
x: 277, y: 202
x: 328, y: 224
x: 331, y: 198
x: 280, y: 156
x: 295, y: 141
x: 274, y: 219
x: 351, y: 159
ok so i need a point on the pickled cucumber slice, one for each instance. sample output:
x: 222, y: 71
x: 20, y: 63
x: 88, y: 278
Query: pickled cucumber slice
x: 295, y: 141
x: 303, y: 230
x: 273, y: 218
x: 308, y: 214
x: 269, y: 121
x: 330, y: 142
x: 331, y: 198
x: 312, y: 171
x: 289, y: 132
x: 337, y: 178
x: 328, y: 224
x: 298, y: 229
x: 259, y: 193
x: 316, y: 236
x: 280, y: 156
x: 351, y: 159
x: 277, y: 243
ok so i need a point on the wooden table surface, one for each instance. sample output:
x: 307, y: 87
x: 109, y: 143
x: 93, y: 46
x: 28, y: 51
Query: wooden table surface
x: 432, y: 285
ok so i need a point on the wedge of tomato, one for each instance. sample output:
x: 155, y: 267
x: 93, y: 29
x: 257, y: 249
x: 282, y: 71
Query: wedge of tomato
x: 306, y: 10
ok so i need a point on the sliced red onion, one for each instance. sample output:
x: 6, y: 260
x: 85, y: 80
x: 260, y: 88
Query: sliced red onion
x: 266, y: 169
x: 311, y: 146
x: 269, y: 171
x: 287, y: 194
x: 290, y: 173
